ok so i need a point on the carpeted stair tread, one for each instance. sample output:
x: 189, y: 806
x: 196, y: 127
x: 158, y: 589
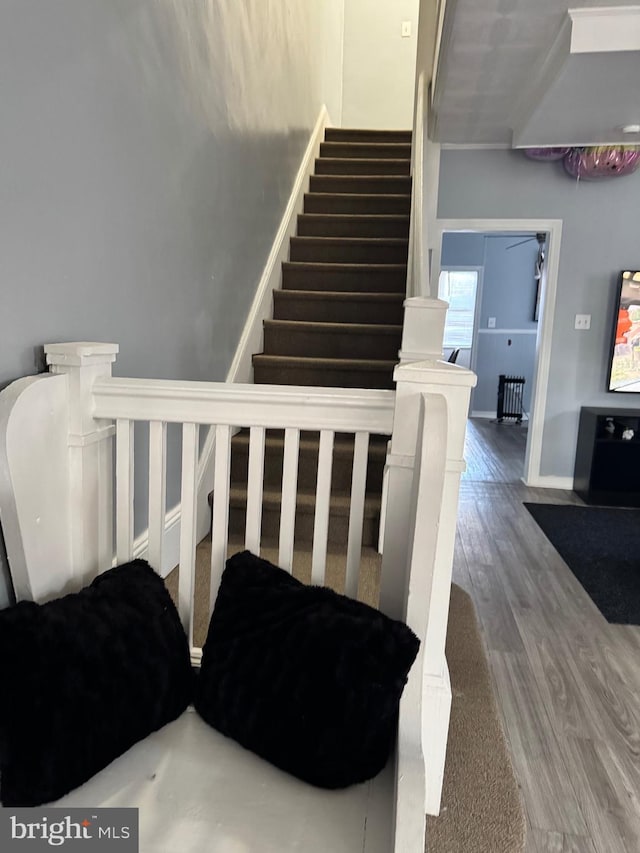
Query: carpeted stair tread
x: 337, y: 322
x: 366, y: 150
x: 344, y: 277
x: 340, y: 502
x: 361, y: 166
x: 342, y: 444
x: 361, y: 184
x: 361, y: 134
x: 363, y: 364
x: 327, y: 372
x: 353, y: 225
x: 338, y: 306
x: 357, y: 203
x: 339, y: 509
x: 358, y: 250
x: 331, y: 340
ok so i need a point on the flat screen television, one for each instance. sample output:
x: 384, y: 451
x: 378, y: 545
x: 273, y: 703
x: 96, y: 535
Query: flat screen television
x: 624, y: 365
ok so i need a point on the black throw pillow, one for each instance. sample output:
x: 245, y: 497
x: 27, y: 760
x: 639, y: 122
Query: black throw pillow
x: 85, y: 677
x: 308, y: 679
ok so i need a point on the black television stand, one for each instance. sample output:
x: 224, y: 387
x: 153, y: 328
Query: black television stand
x: 607, y: 467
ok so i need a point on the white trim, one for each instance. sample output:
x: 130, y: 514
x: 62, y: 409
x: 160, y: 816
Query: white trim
x: 605, y: 29
x: 442, y: 6
x: 553, y: 227
x: 250, y: 341
x: 416, y: 283
x: 494, y: 415
x: 550, y: 481
x: 507, y: 331
x: 170, y: 545
x: 475, y: 146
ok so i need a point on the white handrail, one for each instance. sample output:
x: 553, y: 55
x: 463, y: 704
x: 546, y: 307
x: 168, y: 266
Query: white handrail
x: 270, y: 406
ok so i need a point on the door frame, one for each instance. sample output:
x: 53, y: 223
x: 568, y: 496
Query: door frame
x: 553, y: 228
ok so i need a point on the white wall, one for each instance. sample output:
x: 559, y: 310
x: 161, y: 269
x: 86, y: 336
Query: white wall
x: 147, y: 153
x: 379, y: 65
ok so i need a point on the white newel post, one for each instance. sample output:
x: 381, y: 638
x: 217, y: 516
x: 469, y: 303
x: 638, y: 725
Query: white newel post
x: 423, y: 329
x: 90, y: 456
x: 432, y: 396
x: 422, y: 337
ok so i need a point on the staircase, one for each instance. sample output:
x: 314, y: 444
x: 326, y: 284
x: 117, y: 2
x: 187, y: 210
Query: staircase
x: 337, y: 320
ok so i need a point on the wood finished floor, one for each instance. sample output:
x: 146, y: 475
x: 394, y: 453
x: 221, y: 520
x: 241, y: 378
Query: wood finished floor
x: 566, y: 681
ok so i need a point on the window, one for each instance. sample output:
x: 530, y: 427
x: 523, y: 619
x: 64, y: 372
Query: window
x: 459, y: 288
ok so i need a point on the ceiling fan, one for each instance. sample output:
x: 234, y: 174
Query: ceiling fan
x: 541, y: 237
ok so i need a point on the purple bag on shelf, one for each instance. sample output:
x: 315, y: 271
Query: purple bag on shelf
x: 602, y: 161
x: 546, y: 154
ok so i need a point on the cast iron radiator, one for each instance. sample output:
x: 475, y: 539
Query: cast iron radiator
x: 510, y: 395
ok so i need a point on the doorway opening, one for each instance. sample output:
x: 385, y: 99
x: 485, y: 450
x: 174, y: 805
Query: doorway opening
x: 516, y: 263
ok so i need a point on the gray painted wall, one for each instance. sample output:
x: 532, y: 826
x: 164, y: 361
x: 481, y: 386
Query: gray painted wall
x: 147, y: 153
x: 600, y: 237
x: 462, y: 250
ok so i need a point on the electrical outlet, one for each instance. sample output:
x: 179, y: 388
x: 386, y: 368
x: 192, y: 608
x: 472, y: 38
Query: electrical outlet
x: 583, y: 322
x: 492, y: 323
x: 406, y: 29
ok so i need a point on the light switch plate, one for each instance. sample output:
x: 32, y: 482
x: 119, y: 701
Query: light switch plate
x: 492, y: 323
x: 583, y: 322
x: 406, y: 29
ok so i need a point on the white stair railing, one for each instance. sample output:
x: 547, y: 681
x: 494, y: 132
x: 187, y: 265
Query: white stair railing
x: 56, y: 497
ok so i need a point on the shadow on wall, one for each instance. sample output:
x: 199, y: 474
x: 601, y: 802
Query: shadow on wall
x: 6, y: 587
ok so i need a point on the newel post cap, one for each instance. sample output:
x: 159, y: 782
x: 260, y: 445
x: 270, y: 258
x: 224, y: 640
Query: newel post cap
x: 435, y: 372
x: 80, y: 353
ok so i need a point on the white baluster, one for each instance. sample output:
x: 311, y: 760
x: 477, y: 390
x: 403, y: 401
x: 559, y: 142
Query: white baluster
x: 220, y: 519
x: 255, y: 477
x: 124, y: 490
x: 188, y: 512
x: 356, y: 511
x: 321, y: 518
x: 157, y: 491
x: 288, y: 502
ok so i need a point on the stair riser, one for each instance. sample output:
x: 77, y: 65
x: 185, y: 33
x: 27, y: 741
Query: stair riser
x: 352, y: 226
x: 328, y: 310
x: 294, y: 375
x: 312, y: 344
x: 307, y: 470
x: 338, y: 527
x: 366, y: 151
x: 347, y: 134
x: 363, y: 184
x: 353, y: 166
x: 363, y: 204
x: 355, y: 280
x: 305, y: 251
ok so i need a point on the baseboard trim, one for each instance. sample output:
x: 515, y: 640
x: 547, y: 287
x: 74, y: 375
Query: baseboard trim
x: 170, y: 545
x: 241, y: 369
x: 250, y: 342
x: 550, y: 481
x: 493, y: 416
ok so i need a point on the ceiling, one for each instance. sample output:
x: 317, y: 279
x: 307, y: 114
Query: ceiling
x: 525, y: 73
